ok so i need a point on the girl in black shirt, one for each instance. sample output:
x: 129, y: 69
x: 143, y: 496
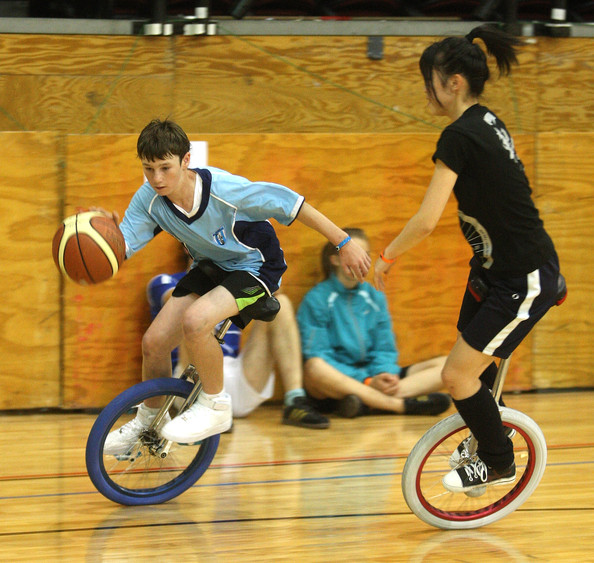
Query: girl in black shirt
x: 513, y: 255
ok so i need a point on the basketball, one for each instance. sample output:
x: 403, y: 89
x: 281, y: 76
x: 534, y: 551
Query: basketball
x: 89, y: 247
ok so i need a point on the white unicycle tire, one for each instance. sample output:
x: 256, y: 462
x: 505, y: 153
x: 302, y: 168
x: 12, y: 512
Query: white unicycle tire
x: 427, y: 463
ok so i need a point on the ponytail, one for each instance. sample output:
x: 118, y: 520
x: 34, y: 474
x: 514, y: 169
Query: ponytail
x: 500, y: 45
x: 460, y: 55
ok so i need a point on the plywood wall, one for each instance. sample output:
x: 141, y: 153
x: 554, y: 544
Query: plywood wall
x: 313, y: 113
x: 226, y: 84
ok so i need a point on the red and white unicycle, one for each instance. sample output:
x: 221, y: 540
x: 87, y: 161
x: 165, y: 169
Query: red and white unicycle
x: 430, y: 460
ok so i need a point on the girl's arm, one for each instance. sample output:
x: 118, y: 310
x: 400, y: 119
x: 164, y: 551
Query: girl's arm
x: 353, y: 259
x: 422, y: 223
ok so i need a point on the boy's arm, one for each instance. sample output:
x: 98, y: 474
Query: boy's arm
x: 353, y: 259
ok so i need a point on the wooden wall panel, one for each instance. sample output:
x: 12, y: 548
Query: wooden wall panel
x: 305, y: 84
x: 103, y: 324
x: 30, y: 318
x: 564, y: 341
x: 79, y: 84
x: 226, y: 84
x: 565, y: 86
x: 298, y: 84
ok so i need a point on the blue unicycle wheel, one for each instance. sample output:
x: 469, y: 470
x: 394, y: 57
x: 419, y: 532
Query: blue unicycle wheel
x: 152, y: 470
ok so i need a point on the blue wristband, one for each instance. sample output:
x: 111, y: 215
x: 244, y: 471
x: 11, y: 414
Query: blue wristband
x: 342, y: 243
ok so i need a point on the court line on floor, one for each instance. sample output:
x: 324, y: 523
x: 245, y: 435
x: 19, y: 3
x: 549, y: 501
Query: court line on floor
x: 269, y: 481
x: 252, y: 520
x: 273, y: 463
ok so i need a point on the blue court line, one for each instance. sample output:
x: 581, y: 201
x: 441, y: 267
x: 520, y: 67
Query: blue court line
x: 269, y: 482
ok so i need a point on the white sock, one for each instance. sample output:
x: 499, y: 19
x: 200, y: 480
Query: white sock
x: 212, y: 396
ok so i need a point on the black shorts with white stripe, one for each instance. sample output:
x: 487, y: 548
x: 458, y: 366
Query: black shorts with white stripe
x: 513, y: 305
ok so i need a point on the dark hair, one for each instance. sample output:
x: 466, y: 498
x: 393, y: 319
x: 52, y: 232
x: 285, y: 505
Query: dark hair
x: 162, y: 139
x: 459, y: 55
x: 329, y: 250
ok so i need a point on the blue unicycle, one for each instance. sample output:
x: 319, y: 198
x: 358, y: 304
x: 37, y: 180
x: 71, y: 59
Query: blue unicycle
x: 155, y: 470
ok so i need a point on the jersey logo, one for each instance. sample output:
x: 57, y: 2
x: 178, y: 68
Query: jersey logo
x: 506, y: 141
x: 220, y: 237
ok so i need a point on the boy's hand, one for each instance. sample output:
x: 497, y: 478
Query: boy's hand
x: 112, y: 215
x: 354, y: 260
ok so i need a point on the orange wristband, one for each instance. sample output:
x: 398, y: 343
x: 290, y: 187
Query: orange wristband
x: 387, y: 260
x: 367, y: 380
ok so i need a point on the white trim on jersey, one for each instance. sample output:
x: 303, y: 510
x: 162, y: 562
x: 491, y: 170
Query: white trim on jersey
x: 533, y: 279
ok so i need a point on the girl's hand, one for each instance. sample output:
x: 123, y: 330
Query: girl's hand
x: 387, y: 383
x: 380, y: 270
x: 354, y: 260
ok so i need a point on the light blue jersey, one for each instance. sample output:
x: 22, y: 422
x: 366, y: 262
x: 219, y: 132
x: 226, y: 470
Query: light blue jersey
x: 229, y: 224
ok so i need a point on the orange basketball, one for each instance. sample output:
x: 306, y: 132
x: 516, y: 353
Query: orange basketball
x: 89, y: 247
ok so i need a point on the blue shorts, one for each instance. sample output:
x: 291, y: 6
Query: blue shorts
x: 511, y: 307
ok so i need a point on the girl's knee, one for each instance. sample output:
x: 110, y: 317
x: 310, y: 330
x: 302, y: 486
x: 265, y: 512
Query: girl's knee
x: 313, y: 366
x: 449, y: 377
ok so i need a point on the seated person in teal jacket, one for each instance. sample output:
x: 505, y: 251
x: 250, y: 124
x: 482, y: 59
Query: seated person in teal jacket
x: 349, y: 349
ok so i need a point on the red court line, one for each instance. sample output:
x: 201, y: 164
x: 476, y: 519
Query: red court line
x: 274, y: 463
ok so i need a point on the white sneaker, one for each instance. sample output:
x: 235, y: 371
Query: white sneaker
x: 206, y: 417
x: 122, y: 440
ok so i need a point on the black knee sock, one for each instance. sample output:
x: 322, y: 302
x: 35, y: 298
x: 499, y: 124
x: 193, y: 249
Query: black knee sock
x: 488, y: 378
x: 481, y: 414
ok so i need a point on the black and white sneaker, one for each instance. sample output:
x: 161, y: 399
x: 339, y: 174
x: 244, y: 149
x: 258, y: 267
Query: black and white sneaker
x: 474, y: 474
x: 461, y: 453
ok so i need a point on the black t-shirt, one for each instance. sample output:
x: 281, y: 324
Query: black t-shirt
x: 495, y: 207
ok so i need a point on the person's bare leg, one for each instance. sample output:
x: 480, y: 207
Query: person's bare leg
x: 285, y: 344
x: 422, y: 378
x: 463, y: 369
x: 324, y: 381
x: 256, y: 355
x: 212, y: 412
x: 274, y: 344
x: 162, y: 336
x: 203, y: 348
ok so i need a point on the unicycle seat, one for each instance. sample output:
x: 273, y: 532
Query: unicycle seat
x: 561, y: 290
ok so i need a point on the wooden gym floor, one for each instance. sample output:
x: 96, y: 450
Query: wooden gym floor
x: 280, y: 493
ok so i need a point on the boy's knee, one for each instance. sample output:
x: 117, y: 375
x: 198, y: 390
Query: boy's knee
x: 151, y: 343
x: 194, y: 325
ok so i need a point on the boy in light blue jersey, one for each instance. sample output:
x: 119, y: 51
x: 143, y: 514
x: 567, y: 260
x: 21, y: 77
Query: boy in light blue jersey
x: 222, y: 218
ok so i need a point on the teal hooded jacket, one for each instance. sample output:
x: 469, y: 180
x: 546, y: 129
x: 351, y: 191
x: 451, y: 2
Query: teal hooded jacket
x: 351, y: 329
